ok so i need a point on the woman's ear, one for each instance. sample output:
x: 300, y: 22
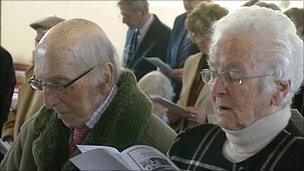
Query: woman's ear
x: 283, y: 88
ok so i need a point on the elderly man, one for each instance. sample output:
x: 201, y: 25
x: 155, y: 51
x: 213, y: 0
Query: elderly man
x: 256, y: 65
x: 147, y: 36
x: 88, y: 100
x: 29, y: 101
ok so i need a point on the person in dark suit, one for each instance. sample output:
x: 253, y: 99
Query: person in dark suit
x: 7, y: 84
x: 180, y: 48
x: 147, y: 36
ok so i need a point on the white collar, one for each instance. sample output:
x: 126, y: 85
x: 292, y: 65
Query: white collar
x: 102, y: 108
x: 144, y: 29
x: 246, y: 142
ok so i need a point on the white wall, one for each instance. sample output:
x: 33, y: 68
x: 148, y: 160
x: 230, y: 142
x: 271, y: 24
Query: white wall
x: 18, y: 38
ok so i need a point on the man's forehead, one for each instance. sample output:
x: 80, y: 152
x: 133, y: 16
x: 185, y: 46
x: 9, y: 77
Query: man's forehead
x: 127, y: 8
x: 48, y: 64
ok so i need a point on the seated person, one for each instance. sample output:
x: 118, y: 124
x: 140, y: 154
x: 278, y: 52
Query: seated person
x: 29, y: 101
x: 195, y: 96
x: 88, y: 100
x: 297, y: 16
x: 157, y: 84
x: 253, y: 75
x: 7, y: 84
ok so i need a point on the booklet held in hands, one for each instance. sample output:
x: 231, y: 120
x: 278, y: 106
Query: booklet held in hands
x: 165, y: 68
x: 169, y: 105
x: 4, y: 147
x: 138, y: 157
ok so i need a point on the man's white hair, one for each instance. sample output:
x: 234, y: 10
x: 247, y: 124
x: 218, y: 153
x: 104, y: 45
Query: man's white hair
x: 94, y: 50
x: 96, y: 53
x: 279, y: 50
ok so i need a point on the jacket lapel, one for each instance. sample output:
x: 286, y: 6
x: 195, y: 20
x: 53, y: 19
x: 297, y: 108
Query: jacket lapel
x: 192, y: 68
x: 204, y: 92
x: 180, y: 34
x: 51, y: 140
x: 146, y: 42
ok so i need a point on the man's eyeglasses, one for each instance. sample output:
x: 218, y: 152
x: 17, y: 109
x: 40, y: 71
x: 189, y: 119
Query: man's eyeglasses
x: 37, y: 84
x: 227, y: 77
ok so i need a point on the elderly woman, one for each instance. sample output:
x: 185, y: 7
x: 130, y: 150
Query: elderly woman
x: 157, y: 84
x: 195, y: 96
x: 256, y: 64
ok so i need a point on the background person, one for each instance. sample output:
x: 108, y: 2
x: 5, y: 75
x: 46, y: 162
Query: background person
x: 253, y: 75
x: 195, y: 95
x: 297, y: 16
x: 29, y: 101
x: 157, y: 84
x: 7, y: 83
x: 147, y: 36
x: 180, y: 47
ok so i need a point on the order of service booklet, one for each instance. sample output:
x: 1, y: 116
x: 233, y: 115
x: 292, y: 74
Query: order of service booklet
x: 138, y: 157
x: 4, y: 147
x: 169, y: 105
x: 165, y: 68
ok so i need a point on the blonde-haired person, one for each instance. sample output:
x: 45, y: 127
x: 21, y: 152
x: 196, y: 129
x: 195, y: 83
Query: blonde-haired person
x: 195, y: 96
x: 156, y: 83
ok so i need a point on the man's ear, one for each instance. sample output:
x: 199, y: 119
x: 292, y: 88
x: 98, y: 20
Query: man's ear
x: 108, y: 78
x: 283, y: 88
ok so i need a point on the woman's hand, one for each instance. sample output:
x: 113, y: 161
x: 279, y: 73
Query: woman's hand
x: 196, y: 115
x: 176, y: 74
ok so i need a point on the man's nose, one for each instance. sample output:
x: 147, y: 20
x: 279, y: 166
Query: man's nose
x: 49, y: 98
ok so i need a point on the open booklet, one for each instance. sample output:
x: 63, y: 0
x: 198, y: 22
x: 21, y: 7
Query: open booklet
x: 4, y: 147
x: 138, y: 157
x: 169, y: 105
x: 164, y: 68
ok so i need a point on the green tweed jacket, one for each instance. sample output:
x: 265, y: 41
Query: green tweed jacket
x: 43, y: 141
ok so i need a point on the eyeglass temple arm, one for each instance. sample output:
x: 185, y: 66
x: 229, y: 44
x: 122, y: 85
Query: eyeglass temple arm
x: 68, y: 84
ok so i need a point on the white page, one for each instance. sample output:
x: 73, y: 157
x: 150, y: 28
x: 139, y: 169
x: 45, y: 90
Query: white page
x: 99, y: 159
x: 85, y: 148
x: 141, y: 157
x: 4, y: 146
x: 170, y: 105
